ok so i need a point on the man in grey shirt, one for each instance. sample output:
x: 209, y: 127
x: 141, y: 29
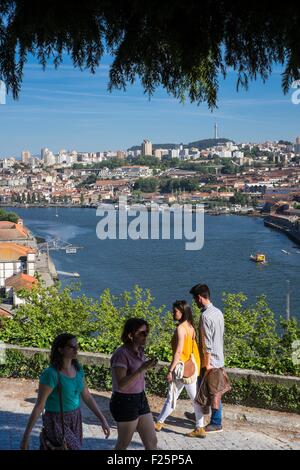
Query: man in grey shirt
x: 211, y: 337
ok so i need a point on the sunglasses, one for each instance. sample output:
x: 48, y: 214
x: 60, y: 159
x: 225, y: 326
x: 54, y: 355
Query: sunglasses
x: 75, y: 348
x: 142, y: 333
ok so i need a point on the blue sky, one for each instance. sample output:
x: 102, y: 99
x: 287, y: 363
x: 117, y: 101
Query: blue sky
x: 70, y: 109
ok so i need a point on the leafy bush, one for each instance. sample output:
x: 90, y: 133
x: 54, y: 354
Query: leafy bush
x: 9, y: 216
x: 47, y: 313
x: 97, y: 323
x: 253, y: 338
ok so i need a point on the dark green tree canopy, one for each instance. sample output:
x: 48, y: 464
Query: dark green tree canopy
x: 185, y: 46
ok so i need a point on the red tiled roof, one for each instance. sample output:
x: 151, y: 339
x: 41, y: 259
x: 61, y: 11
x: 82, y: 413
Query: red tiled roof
x: 21, y: 281
x: 104, y: 183
x: 5, y: 313
x: 10, y: 230
x: 13, y: 251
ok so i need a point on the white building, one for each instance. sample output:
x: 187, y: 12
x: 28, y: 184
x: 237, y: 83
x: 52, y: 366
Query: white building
x: 231, y: 146
x: 48, y: 157
x: 238, y: 154
x: 100, y: 156
x: 15, y: 259
x: 174, y: 153
x: 43, y: 152
x: 8, y: 162
x: 134, y: 171
x: 225, y: 154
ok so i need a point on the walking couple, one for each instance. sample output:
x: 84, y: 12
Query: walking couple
x: 209, y: 381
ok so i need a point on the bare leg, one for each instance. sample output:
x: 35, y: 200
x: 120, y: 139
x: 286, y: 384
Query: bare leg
x: 125, y: 433
x: 146, y: 430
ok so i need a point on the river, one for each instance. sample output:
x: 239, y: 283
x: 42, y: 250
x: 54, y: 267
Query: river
x: 165, y: 267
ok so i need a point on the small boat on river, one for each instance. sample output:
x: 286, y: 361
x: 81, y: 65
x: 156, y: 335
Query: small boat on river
x: 258, y: 258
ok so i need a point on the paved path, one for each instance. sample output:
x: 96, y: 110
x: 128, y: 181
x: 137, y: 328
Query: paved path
x: 17, y: 398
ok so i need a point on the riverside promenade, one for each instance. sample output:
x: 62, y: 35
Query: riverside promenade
x: 244, y: 428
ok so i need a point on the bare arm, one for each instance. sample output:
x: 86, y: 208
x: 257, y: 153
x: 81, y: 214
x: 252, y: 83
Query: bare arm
x: 43, y: 393
x: 92, y: 405
x: 207, y: 358
x: 124, y: 380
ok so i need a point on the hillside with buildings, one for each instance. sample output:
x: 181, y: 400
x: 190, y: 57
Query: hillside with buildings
x: 22, y: 265
x: 224, y: 175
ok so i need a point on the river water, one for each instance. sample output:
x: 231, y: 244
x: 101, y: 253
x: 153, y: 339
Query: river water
x: 166, y: 267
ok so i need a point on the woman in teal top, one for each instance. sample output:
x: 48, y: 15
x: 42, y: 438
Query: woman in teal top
x: 71, y: 388
x: 67, y: 374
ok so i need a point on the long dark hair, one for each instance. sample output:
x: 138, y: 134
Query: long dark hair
x: 131, y: 327
x: 56, y: 358
x: 185, y: 309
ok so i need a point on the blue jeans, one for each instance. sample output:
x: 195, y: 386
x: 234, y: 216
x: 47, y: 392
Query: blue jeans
x: 216, y: 416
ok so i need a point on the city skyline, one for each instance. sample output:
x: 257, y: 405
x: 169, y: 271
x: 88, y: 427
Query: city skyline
x: 67, y: 108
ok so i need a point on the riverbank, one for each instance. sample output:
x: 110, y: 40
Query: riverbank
x: 214, y: 212
x: 289, y: 230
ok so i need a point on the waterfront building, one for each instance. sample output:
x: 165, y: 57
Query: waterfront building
x: 16, y: 259
x: 16, y: 283
x: 16, y: 233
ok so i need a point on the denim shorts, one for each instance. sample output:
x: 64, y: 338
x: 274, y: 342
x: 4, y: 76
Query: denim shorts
x: 128, y: 407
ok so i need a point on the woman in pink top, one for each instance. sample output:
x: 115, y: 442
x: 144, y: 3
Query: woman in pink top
x: 129, y: 406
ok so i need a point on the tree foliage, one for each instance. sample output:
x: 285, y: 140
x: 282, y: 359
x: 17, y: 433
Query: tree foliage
x: 167, y: 185
x: 184, y: 46
x: 8, y: 216
x: 253, y: 338
x: 146, y: 185
x: 97, y: 323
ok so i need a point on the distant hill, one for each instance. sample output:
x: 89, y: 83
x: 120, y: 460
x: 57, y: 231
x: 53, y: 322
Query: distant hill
x: 205, y: 143
x: 200, y: 144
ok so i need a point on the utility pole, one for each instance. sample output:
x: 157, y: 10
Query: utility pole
x: 288, y: 301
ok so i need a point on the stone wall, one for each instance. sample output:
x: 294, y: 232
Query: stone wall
x: 234, y: 374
